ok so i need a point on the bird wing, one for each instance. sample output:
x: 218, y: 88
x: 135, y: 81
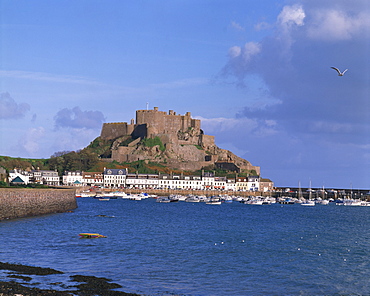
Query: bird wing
x: 336, y: 69
x: 344, y: 71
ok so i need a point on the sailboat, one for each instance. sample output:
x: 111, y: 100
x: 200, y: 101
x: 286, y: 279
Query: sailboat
x: 309, y: 201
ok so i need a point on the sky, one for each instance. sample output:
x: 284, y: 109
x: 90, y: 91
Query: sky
x: 257, y: 73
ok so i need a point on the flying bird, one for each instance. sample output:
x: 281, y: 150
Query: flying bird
x: 339, y: 73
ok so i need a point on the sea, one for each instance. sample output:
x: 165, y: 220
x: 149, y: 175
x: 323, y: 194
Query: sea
x: 184, y: 248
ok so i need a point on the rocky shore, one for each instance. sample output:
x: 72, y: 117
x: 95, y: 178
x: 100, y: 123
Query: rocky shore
x: 20, y: 275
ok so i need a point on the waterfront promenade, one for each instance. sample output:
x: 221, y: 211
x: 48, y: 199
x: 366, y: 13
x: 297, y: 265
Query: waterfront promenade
x: 278, y: 192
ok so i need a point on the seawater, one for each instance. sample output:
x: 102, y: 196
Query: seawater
x: 197, y: 249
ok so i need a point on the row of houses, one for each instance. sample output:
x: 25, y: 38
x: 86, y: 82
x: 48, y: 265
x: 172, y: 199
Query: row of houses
x: 120, y: 178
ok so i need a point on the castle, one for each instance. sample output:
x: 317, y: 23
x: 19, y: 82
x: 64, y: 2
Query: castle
x: 186, y: 145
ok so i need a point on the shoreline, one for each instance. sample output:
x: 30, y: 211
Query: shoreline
x: 85, y: 285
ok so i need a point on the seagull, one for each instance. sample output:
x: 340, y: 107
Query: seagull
x: 339, y: 73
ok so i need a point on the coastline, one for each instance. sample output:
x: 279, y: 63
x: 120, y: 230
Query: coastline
x: 86, y: 285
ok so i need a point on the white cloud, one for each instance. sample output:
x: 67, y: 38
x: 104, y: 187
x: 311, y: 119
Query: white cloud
x: 10, y: 109
x: 330, y: 127
x: 40, y: 76
x: 333, y: 24
x: 221, y: 124
x: 229, y: 127
x: 288, y: 19
x: 291, y: 15
x: 250, y: 49
x: 30, y: 141
x: 234, y: 51
x: 262, y: 26
x: 236, y: 26
x: 71, y: 139
x: 76, y: 118
x: 180, y: 83
x: 246, y: 52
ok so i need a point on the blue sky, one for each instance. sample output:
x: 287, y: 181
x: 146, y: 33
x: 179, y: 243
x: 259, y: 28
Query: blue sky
x: 257, y: 73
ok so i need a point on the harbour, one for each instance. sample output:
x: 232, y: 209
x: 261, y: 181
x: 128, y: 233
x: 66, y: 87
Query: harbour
x: 185, y: 248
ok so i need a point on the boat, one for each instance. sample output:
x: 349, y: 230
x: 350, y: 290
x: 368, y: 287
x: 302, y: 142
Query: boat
x: 91, y: 235
x: 255, y: 201
x: 163, y: 199
x: 352, y: 202
x: 214, y: 201
x: 309, y: 202
x: 192, y: 198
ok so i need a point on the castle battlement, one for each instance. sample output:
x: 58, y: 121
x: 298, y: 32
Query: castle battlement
x: 151, y: 123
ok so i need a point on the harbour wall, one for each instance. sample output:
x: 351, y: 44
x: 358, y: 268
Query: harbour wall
x: 18, y: 203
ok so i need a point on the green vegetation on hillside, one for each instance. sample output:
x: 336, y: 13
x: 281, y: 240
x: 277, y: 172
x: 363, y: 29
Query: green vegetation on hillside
x: 91, y: 159
x: 151, y: 142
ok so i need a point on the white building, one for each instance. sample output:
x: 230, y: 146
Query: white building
x: 72, y: 178
x: 142, y: 181
x: 251, y: 183
x: 21, y: 174
x: 92, y: 179
x: 230, y: 185
x: 180, y: 182
x: 45, y: 177
x: 219, y: 183
x: 208, y: 180
x: 114, y: 178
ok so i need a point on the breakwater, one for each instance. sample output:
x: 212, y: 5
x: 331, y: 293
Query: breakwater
x: 18, y: 203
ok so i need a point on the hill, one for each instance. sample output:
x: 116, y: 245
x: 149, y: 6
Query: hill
x: 158, y: 142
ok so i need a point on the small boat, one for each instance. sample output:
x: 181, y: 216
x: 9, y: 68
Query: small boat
x: 308, y: 202
x: 192, y: 198
x: 91, y: 235
x: 214, y: 201
x: 163, y: 199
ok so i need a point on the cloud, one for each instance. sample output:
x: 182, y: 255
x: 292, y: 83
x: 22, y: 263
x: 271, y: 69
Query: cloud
x: 76, y: 118
x: 334, y: 24
x: 304, y: 110
x: 47, y: 77
x: 291, y: 15
x: 228, y: 128
x: 30, y: 141
x: 236, y: 26
x: 189, y: 82
x: 10, y: 109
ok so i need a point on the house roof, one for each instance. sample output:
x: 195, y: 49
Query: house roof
x: 17, y: 180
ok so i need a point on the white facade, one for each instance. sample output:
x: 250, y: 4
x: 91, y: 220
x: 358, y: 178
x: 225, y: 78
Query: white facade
x: 92, y: 179
x: 142, y: 181
x: 219, y: 183
x: 180, y: 182
x: 46, y: 177
x: 253, y: 183
x: 21, y: 174
x: 230, y: 185
x: 208, y: 180
x: 72, y: 178
x: 36, y: 176
x: 114, y: 178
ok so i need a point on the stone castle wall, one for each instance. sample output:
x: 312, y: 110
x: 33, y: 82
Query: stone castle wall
x: 18, y: 203
x: 160, y: 122
x: 114, y: 130
x: 152, y: 123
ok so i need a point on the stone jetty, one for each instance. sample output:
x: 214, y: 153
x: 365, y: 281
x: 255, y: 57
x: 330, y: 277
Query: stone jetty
x: 18, y: 203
